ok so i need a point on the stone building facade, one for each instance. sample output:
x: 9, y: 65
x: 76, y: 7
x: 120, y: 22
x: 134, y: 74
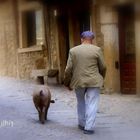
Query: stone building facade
x: 8, y: 39
x: 37, y: 34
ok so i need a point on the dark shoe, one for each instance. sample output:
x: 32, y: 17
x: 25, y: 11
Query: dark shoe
x: 81, y: 127
x: 89, y: 132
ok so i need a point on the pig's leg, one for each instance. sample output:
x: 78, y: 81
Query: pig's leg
x: 39, y: 112
x: 46, y: 111
x: 43, y: 115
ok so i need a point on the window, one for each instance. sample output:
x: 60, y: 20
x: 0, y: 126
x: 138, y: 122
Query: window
x: 33, y: 27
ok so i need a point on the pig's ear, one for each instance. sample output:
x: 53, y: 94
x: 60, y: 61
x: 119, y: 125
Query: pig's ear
x: 41, y: 93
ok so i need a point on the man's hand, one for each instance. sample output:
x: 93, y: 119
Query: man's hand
x: 69, y: 88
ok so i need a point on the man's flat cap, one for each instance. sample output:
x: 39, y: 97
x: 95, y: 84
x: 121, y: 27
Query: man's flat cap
x: 88, y: 34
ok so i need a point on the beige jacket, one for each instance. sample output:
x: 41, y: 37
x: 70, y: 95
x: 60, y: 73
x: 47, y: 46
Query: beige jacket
x: 85, y: 67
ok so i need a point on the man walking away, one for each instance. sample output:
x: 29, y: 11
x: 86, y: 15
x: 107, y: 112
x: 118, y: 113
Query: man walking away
x: 84, y: 72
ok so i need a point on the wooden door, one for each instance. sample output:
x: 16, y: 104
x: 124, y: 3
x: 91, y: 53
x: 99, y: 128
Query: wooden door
x: 63, y: 36
x: 127, y: 50
x: 80, y: 22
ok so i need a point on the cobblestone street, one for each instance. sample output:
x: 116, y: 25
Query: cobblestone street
x: 117, y: 118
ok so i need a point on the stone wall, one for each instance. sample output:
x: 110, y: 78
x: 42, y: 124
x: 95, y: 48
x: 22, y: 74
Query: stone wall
x: 8, y: 40
x: 31, y: 60
x: 43, y: 59
x: 96, y: 26
x: 109, y: 29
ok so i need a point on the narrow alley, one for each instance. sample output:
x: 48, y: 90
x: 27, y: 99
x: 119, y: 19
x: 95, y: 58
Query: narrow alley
x: 117, y: 118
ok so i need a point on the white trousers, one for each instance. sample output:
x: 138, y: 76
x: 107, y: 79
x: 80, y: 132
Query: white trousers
x: 87, y: 106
